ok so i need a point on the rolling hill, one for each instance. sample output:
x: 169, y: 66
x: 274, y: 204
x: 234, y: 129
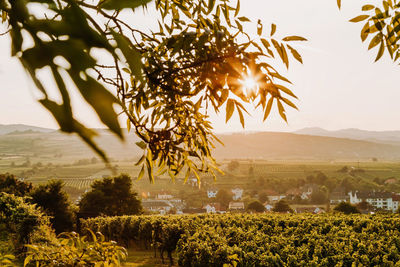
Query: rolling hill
x: 390, y: 137
x: 262, y: 145
x: 11, y: 128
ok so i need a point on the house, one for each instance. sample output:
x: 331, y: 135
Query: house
x: 275, y: 197
x: 379, y: 200
x: 307, y: 190
x: 159, y: 206
x: 213, y: 208
x: 396, y: 202
x: 237, y: 193
x: 212, y: 193
x: 338, y: 197
x: 293, y: 193
x: 314, y: 210
x: 164, y: 195
x: 236, y: 206
x: 268, y: 207
x: 193, y: 182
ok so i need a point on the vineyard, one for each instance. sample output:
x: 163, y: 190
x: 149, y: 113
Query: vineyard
x: 261, y: 240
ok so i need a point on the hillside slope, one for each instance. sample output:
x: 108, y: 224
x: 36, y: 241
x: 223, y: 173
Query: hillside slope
x: 266, y: 145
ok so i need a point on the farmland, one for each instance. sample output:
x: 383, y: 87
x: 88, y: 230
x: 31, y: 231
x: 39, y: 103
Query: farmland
x: 261, y: 240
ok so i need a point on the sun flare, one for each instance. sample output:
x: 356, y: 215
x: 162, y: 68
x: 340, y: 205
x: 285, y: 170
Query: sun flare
x: 249, y: 83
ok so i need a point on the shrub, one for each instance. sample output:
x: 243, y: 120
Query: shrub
x: 74, y: 250
x: 282, y: 206
x: 23, y: 221
x: 346, y: 208
x: 256, y: 206
x: 10, y: 184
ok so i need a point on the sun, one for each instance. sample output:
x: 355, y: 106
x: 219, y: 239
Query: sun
x: 249, y: 84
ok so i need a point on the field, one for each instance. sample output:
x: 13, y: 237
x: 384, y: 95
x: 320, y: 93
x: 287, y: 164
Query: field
x: 260, y: 240
x: 78, y: 177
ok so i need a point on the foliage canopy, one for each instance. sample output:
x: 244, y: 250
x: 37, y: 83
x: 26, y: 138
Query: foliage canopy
x: 164, y: 81
x: 111, y: 197
x: 55, y: 203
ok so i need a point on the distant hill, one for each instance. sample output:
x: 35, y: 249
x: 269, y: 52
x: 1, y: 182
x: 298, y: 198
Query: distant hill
x: 19, y: 128
x: 261, y: 145
x: 390, y: 137
x: 277, y: 145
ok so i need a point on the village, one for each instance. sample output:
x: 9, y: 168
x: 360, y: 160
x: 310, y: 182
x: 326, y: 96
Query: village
x: 237, y: 201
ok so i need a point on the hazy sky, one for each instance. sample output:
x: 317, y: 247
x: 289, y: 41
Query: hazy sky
x: 338, y: 86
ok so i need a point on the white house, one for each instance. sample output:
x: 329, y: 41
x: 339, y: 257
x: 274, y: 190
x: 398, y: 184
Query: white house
x: 275, y: 198
x: 268, y: 207
x: 379, y: 200
x: 212, y: 193
x: 237, y: 193
x: 236, y: 206
x: 212, y: 207
x: 160, y: 206
x: 338, y: 197
x: 164, y: 196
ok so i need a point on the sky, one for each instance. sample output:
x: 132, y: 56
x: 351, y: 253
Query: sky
x: 338, y: 86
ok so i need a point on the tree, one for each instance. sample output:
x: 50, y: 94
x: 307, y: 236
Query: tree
x: 364, y: 206
x: 164, y: 81
x: 111, y: 197
x: 346, y: 208
x: 282, y: 206
x: 256, y: 206
x: 10, y: 184
x: 55, y: 203
x: 224, y: 197
x: 319, y: 196
x: 381, y: 27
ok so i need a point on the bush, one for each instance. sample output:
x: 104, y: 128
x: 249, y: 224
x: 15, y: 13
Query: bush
x: 282, y: 206
x: 23, y: 221
x: 74, y: 250
x: 10, y: 184
x: 256, y: 206
x: 346, y: 208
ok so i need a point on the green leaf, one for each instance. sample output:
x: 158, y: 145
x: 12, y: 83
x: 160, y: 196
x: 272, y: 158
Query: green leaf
x: 375, y: 41
x: 243, y: 19
x: 381, y: 51
x: 141, y: 173
x: 211, y: 4
x: 241, y: 117
x: 367, y: 7
x: 359, y: 18
x: 100, y: 99
x: 237, y: 9
x: 131, y: 54
x: 121, y: 4
x: 268, y: 108
x: 295, y: 54
x: 273, y: 29
x: 259, y: 28
x: 230, y: 107
x: 281, y: 111
x: 141, y: 144
x: 294, y: 38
